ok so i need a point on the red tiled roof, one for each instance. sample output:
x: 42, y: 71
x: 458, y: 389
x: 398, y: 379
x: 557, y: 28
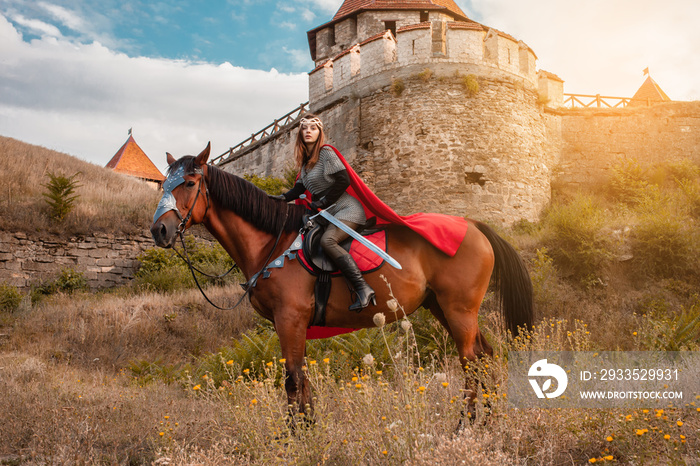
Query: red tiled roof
x: 131, y: 160
x: 411, y: 27
x: 350, y: 7
x: 473, y: 25
x: 651, y: 91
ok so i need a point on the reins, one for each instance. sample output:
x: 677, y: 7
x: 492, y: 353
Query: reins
x: 247, y: 286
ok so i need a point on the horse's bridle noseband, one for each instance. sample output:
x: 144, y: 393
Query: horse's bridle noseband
x: 186, y: 219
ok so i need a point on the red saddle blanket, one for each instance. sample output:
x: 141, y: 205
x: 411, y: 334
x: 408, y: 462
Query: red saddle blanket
x: 365, y: 259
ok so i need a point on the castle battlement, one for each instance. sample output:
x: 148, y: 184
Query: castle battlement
x: 482, y: 50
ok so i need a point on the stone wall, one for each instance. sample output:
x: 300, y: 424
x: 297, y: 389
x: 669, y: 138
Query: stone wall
x: 105, y: 260
x: 594, y: 140
x: 434, y: 148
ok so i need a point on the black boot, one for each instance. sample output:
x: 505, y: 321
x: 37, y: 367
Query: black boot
x: 364, y: 292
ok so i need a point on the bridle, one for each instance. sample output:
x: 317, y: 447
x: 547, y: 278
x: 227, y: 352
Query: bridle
x: 247, y: 286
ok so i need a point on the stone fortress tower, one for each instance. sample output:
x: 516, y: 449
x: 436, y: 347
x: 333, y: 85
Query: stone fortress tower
x: 436, y: 112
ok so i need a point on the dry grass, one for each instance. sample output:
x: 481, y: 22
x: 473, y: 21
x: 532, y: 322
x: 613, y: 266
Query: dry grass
x: 108, y: 202
x: 110, y: 330
x: 69, y: 399
x: 80, y: 381
x: 58, y: 414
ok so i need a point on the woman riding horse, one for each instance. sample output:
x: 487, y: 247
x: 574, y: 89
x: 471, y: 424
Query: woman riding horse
x: 447, y: 263
x: 322, y: 173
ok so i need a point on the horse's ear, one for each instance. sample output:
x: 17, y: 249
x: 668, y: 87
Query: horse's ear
x: 171, y: 159
x: 203, y: 156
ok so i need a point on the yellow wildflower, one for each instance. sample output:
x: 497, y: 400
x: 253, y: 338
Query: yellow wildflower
x: 592, y: 460
x: 680, y: 423
x: 161, y: 433
x: 196, y: 387
x: 609, y: 458
x: 229, y: 362
x: 609, y: 438
x: 445, y: 384
x: 667, y: 437
x: 254, y: 401
x: 421, y: 389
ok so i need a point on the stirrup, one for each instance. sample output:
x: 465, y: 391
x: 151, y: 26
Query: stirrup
x: 358, y: 305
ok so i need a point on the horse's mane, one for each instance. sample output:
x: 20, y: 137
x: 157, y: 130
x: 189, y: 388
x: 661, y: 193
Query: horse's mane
x: 248, y: 201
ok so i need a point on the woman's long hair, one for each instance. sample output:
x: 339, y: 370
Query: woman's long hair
x: 302, y: 155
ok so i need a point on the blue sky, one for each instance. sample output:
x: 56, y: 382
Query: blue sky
x: 75, y: 75
x: 260, y: 34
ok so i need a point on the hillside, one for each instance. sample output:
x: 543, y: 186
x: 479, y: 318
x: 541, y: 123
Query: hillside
x: 108, y: 202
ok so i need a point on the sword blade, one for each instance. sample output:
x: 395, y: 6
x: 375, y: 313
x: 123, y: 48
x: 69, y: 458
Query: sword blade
x: 371, y: 246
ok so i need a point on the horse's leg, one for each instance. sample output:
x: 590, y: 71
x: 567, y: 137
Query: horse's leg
x: 455, y: 302
x: 292, y: 337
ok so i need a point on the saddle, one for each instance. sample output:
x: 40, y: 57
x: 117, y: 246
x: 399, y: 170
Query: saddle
x: 315, y: 260
x: 317, y: 263
x: 307, y: 249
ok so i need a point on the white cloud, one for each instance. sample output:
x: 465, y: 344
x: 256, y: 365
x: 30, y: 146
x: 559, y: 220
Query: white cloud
x: 326, y: 6
x: 308, y: 15
x: 82, y: 98
x: 68, y: 18
x: 601, y: 47
x: 36, y: 26
x: 300, y: 57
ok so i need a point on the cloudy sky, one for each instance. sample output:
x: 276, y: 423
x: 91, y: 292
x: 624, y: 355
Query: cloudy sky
x: 75, y: 75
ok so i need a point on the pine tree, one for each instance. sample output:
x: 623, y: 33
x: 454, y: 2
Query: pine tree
x: 60, y: 195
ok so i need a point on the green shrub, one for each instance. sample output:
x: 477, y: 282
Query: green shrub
x: 163, y: 270
x: 575, y: 239
x: 664, y: 243
x: 471, y: 85
x: 269, y: 184
x: 628, y: 182
x: 683, y: 170
x: 659, y: 330
x: 60, y: 195
x: 70, y: 281
x: 10, y: 298
x: 544, y: 275
x: 425, y: 75
x: 397, y: 87
x: 691, y: 192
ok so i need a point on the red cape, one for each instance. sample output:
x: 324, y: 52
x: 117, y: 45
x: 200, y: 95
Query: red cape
x: 445, y: 232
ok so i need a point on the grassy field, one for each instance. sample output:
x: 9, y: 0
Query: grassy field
x: 148, y: 374
x: 107, y: 202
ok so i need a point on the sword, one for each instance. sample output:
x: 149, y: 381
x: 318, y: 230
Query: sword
x: 371, y: 246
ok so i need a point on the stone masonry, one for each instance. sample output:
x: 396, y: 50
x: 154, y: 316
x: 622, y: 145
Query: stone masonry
x: 105, y: 260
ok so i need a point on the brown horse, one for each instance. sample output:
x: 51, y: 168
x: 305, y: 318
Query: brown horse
x: 248, y: 223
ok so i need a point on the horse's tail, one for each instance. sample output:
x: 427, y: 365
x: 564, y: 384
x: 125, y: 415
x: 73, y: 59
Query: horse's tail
x: 512, y: 282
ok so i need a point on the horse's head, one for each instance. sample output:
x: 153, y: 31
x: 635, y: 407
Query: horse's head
x: 185, y: 200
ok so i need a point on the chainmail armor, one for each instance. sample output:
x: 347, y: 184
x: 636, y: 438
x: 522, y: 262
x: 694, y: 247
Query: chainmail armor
x: 319, y: 179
